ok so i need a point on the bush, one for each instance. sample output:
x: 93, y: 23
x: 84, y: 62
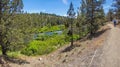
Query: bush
x: 42, y: 37
x: 44, y: 47
x: 35, y: 47
x: 75, y: 36
x: 53, y: 28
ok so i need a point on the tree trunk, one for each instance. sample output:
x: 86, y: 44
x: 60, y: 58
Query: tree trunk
x: 71, y: 33
x: 72, y: 40
x: 79, y: 34
x: 4, y: 50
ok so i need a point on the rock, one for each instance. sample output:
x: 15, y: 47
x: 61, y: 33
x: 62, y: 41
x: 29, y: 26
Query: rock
x: 40, y: 59
x: 64, y: 61
x: 52, y: 55
x: 66, y: 55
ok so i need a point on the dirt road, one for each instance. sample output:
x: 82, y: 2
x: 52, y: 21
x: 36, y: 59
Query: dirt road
x: 111, y: 50
x: 109, y: 54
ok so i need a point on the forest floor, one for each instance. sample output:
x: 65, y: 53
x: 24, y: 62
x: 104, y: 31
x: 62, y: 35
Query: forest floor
x: 100, y: 51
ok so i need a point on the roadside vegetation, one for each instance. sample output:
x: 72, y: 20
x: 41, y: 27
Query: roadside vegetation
x: 31, y: 34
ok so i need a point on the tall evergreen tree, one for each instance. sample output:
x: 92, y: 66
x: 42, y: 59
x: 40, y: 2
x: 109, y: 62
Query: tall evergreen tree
x: 110, y: 15
x: 81, y: 16
x: 92, y: 9
x: 100, y: 17
x: 71, y: 16
x: 116, y: 4
x: 8, y: 8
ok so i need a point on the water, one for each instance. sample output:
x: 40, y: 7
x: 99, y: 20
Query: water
x: 52, y: 33
x: 59, y: 32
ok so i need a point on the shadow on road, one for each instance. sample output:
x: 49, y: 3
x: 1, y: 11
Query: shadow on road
x: 5, y: 60
x: 68, y: 49
x: 97, y: 34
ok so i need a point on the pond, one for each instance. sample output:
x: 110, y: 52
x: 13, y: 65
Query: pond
x: 58, y: 32
x: 52, y: 33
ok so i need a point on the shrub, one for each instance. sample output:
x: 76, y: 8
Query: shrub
x: 53, y: 28
x: 37, y: 47
x: 75, y: 36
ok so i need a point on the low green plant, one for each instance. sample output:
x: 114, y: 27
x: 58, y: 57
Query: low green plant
x: 37, y: 47
x: 14, y: 54
x: 53, y: 28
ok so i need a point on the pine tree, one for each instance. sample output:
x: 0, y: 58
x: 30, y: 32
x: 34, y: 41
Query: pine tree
x: 91, y: 9
x: 110, y: 15
x: 81, y: 18
x: 8, y: 8
x: 71, y: 16
x: 116, y: 4
x: 100, y: 17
